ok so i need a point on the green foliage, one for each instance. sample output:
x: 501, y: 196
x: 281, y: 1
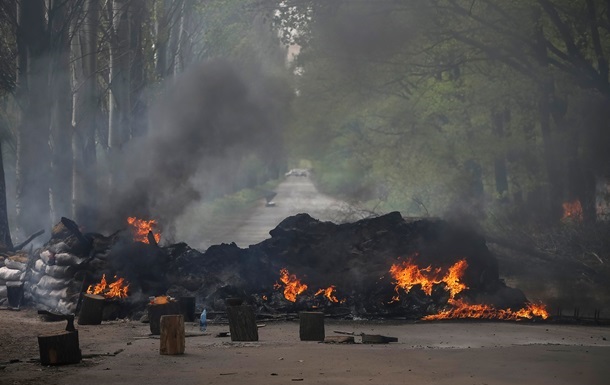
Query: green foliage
x: 415, y: 112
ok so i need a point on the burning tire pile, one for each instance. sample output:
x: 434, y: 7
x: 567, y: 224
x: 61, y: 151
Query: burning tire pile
x: 379, y: 267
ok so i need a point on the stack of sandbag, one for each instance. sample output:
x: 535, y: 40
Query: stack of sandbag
x: 57, y: 270
x: 13, y: 269
x: 52, y: 282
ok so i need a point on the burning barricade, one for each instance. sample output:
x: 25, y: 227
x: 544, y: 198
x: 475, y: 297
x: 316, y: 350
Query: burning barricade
x: 378, y: 267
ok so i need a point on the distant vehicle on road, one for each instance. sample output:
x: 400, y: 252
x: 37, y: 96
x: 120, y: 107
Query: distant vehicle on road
x: 297, y: 172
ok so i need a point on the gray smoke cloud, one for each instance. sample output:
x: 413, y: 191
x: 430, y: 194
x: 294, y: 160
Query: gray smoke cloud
x: 200, y: 128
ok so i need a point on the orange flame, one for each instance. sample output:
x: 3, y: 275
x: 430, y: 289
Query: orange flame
x: 463, y: 310
x: 292, y: 285
x: 407, y: 274
x: 160, y: 300
x: 572, y: 210
x: 141, y: 227
x: 328, y: 293
x: 113, y: 290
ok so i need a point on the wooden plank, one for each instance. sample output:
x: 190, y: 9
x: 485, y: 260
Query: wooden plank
x: 377, y: 339
x: 339, y: 340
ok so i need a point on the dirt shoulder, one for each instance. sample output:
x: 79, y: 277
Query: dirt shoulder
x: 122, y: 352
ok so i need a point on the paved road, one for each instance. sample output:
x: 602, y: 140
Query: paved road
x: 294, y: 195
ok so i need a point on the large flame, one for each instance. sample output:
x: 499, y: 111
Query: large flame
x: 113, y: 290
x: 292, y: 285
x: 141, y: 228
x: 407, y: 274
x: 462, y: 309
x: 572, y: 211
x: 328, y: 293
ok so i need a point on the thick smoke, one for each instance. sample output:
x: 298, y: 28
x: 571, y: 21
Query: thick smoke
x: 371, y: 30
x: 200, y: 128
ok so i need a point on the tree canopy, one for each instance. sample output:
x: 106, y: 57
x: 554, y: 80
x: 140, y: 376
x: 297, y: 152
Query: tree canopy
x: 430, y: 107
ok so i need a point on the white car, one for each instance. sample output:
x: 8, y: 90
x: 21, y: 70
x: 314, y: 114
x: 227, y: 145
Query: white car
x: 297, y: 172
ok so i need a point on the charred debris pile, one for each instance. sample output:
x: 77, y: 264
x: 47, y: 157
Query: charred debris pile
x: 386, y: 266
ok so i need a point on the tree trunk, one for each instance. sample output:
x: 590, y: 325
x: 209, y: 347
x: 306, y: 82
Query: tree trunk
x: 137, y: 107
x: 499, y: 119
x: 119, y: 62
x: 546, y: 89
x: 555, y: 187
x: 156, y: 311
x: 5, y: 230
x: 33, y: 164
x: 59, y: 348
x: 174, y: 23
x: 311, y: 326
x: 172, y: 335
x: 242, y: 323
x: 61, y: 112
x: 162, y: 38
x: 91, y: 310
x: 86, y: 116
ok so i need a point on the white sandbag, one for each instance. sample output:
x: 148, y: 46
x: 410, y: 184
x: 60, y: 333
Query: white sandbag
x: 2, y: 292
x: 39, y: 266
x: 67, y: 259
x: 102, y: 255
x: 97, y: 264
x: 49, y: 302
x: 37, y: 292
x: 16, y: 265
x: 58, y: 271
x: 59, y: 247
x: 10, y: 274
x: 47, y: 257
x: 49, y: 283
x: 67, y: 306
x: 34, y: 276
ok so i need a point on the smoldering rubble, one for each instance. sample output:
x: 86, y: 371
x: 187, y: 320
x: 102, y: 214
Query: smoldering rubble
x: 349, y: 261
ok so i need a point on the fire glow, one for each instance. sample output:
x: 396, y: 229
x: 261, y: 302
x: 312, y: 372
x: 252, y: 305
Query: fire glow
x: 328, y: 293
x: 407, y: 274
x: 141, y: 228
x: 479, y: 311
x: 292, y: 285
x: 572, y: 211
x: 114, y: 290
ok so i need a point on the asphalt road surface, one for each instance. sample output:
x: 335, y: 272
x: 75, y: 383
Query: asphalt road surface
x: 427, y: 353
x: 296, y: 194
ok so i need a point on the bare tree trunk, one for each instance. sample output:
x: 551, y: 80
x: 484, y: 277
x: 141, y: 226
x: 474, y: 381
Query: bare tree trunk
x: 61, y: 111
x: 499, y: 119
x: 5, y: 231
x: 137, y: 107
x: 179, y: 34
x: 546, y: 90
x: 86, y: 116
x: 33, y: 155
x: 119, y: 63
x: 162, y: 38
